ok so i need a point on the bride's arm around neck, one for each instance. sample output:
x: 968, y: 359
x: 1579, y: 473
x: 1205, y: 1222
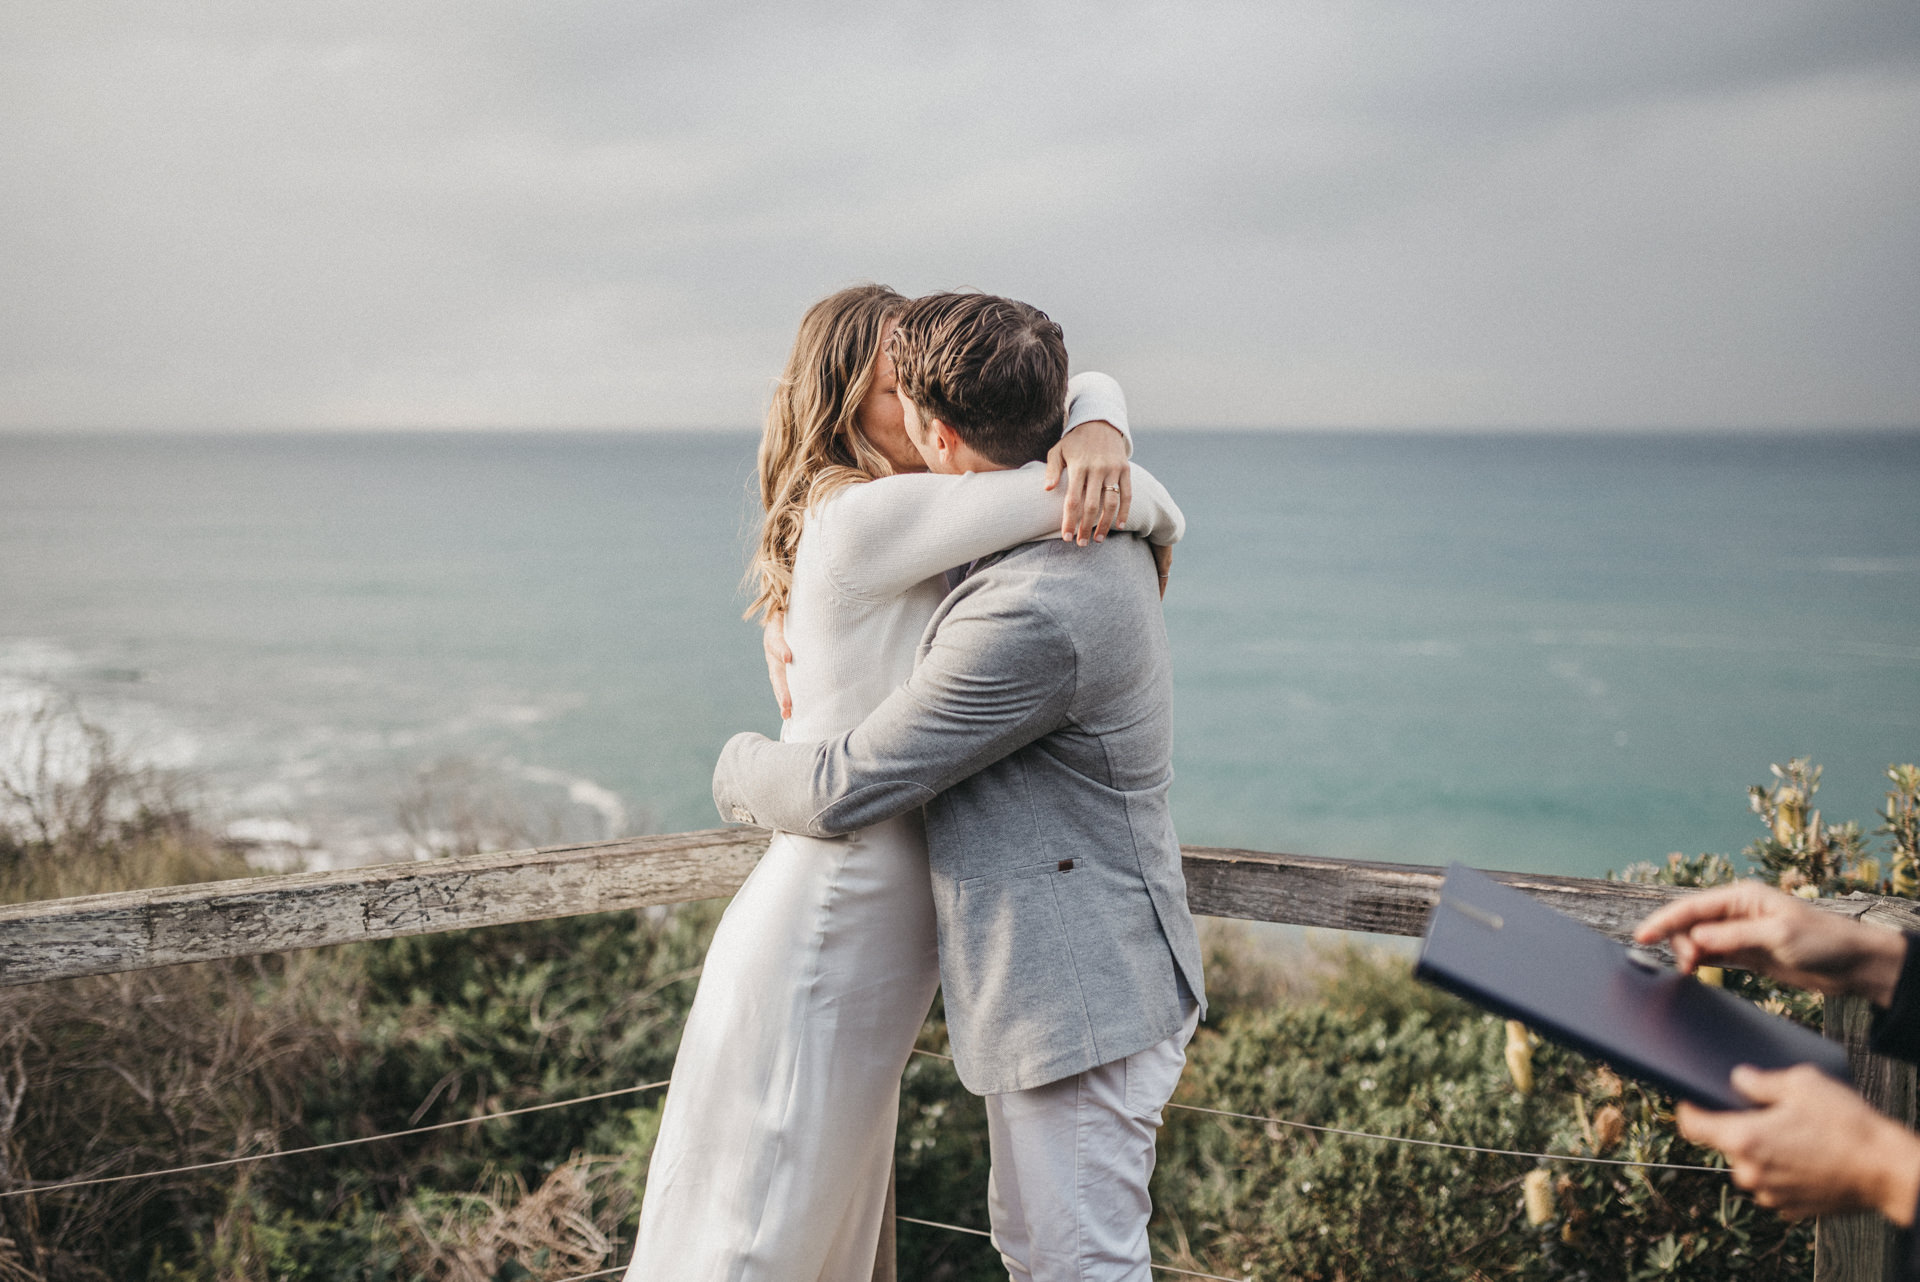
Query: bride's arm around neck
x: 880, y: 538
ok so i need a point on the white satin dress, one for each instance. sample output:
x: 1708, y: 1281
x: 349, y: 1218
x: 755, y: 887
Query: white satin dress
x: 777, y: 1138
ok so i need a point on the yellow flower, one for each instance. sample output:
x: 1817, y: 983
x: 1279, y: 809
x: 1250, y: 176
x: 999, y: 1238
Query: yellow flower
x: 1608, y: 1125
x: 1788, y: 816
x: 1537, y: 1193
x: 1520, y: 1056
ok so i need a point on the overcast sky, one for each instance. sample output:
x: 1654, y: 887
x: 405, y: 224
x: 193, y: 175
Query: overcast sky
x: 597, y: 213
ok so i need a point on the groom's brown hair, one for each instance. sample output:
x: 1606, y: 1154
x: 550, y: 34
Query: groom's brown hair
x: 992, y: 369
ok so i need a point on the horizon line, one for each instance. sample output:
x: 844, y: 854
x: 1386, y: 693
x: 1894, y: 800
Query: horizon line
x: 630, y: 429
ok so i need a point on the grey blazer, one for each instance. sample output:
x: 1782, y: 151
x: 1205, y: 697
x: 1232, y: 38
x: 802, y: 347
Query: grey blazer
x: 1037, y: 732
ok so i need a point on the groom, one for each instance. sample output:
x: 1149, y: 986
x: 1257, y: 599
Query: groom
x: 1036, y: 733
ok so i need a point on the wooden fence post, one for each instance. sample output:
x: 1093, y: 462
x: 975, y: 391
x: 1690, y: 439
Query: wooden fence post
x: 886, y: 1259
x: 1859, y: 1248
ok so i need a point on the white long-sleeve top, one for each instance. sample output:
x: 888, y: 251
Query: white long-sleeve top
x: 868, y: 574
x: 1094, y: 397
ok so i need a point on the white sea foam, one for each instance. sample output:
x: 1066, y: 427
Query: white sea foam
x: 585, y: 792
x: 270, y: 832
x: 40, y: 746
x: 273, y: 845
x: 49, y: 737
x: 39, y: 677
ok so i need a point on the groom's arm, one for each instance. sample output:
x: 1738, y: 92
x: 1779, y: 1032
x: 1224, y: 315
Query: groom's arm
x: 989, y: 685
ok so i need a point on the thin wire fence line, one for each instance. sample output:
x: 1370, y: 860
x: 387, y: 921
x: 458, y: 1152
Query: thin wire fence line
x: 961, y: 1228
x: 317, y: 1148
x: 649, y: 1086
x: 1403, y: 1139
x: 1464, y: 1148
x: 936, y: 1224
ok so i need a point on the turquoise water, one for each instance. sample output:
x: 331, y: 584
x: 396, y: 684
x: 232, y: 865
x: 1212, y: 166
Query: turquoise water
x: 1526, y: 651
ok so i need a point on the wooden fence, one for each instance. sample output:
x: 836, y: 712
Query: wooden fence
x: 134, y: 930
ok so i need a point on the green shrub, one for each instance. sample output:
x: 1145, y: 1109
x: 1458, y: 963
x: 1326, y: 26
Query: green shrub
x: 1381, y: 1054
x: 135, y: 1072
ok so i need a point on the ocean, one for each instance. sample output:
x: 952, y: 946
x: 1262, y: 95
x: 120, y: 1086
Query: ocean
x: 1534, y: 651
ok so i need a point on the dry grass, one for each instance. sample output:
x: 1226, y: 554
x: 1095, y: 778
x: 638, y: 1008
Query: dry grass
x: 564, y: 1227
x: 115, y: 1074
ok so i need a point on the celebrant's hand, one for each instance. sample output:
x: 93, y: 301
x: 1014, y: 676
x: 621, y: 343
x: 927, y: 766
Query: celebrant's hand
x: 1099, y: 483
x: 1754, y: 927
x: 1813, y: 1147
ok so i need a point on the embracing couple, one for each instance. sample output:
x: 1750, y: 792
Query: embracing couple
x: 970, y: 793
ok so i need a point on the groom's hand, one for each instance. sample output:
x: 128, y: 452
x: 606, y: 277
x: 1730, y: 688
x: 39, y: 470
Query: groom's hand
x: 1099, y: 483
x: 773, y: 640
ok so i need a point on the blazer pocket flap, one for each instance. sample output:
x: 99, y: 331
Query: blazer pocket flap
x: 1041, y: 869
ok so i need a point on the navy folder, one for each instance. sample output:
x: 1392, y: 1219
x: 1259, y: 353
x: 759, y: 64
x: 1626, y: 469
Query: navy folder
x: 1502, y: 949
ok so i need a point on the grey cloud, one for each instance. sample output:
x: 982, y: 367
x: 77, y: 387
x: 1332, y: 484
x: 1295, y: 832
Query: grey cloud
x: 1278, y: 213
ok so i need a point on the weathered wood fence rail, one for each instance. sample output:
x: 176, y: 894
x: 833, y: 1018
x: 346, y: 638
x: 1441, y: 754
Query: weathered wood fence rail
x: 136, y: 930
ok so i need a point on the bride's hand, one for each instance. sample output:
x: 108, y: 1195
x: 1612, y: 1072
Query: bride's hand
x: 773, y: 640
x: 1163, y: 564
x: 1099, y: 484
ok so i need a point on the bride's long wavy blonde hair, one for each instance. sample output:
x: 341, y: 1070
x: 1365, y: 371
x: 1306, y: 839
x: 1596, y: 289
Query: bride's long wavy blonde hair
x: 812, y: 444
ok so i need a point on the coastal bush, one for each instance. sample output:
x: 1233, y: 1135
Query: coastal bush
x: 1346, y: 1039
x: 193, y: 1064
x: 131, y: 1073
x: 1377, y: 1053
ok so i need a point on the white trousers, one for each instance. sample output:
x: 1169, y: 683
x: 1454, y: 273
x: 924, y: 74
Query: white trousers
x: 1071, y: 1162
x: 777, y: 1137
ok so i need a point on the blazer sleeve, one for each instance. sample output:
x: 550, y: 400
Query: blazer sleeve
x: 988, y: 685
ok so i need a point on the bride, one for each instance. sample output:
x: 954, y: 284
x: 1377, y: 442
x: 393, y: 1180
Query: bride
x: 777, y: 1139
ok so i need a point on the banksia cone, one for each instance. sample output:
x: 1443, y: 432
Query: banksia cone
x: 1902, y: 815
x: 1608, y: 1125
x: 1520, y: 1056
x: 1714, y: 975
x: 1788, y: 816
x: 1536, y: 1192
